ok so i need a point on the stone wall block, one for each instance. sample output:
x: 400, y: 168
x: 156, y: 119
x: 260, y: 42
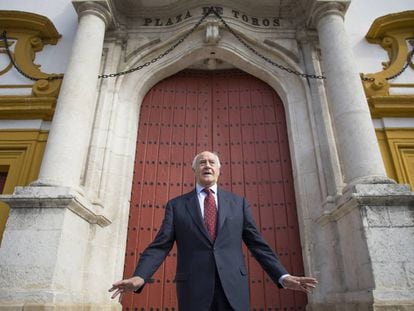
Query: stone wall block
x: 391, y: 244
x: 393, y: 275
x: 354, y: 253
x: 401, y: 216
x: 375, y: 216
x: 409, y: 270
x: 27, y: 279
x: 35, y: 219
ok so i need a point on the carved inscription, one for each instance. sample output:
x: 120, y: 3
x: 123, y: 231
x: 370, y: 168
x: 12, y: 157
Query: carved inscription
x: 252, y: 20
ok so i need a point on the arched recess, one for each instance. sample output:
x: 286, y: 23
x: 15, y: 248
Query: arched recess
x: 293, y: 91
x: 241, y: 118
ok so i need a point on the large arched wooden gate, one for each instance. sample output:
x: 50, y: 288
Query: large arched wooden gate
x: 242, y: 119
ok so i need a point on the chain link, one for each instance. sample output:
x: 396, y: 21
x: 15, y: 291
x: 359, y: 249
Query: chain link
x: 6, y: 45
x: 409, y: 59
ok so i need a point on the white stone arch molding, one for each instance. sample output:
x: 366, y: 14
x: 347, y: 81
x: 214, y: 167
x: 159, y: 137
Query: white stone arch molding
x: 293, y: 90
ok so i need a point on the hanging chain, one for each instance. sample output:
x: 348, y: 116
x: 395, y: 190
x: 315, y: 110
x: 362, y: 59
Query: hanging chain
x: 6, y: 45
x: 169, y: 50
x: 409, y: 60
x: 266, y: 59
x: 208, y: 12
x: 182, y: 39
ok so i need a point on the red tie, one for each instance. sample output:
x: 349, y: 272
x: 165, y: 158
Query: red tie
x: 210, y: 213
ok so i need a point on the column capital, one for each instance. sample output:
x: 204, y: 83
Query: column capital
x: 327, y: 7
x: 99, y: 8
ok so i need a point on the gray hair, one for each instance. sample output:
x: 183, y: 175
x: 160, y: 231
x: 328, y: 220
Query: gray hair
x: 195, y: 160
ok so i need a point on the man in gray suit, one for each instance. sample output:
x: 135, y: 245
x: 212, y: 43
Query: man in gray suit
x: 209, y: 225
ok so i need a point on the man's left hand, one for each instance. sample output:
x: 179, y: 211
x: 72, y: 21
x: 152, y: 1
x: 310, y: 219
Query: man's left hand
x: 303, y: 284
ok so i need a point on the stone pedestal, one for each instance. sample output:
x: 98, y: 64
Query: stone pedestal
x: 375, y: 250
x: 55, y: 254
x: 45, y: 251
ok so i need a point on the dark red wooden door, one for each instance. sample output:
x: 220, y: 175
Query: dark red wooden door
x: 242, y: 119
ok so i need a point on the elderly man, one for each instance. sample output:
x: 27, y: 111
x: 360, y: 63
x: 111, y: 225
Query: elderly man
x: 209, y: 225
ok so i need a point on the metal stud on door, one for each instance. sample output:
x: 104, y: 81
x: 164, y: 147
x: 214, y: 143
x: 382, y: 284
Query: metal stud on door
x: 242, y: 119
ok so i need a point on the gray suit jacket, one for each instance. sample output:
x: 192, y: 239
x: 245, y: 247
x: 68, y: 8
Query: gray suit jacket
x: 198, y: 257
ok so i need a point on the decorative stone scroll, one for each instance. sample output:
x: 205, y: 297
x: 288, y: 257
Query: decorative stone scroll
x: 394, y: 33
x: 27, y: 34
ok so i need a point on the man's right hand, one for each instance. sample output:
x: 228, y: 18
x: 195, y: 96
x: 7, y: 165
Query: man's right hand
x: 126, y: 285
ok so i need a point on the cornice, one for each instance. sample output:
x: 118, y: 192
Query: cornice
x: 26, y: 107
x: 24, y: 21
x: 391, y: 106
x: 391, y: 23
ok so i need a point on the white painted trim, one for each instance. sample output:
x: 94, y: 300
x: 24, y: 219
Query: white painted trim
x: 388, y: 123
x: 25, y: 125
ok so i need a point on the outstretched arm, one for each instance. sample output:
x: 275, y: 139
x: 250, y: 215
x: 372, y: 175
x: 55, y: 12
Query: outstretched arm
x: 268, y: 259
x: 151, y: 258
x: 127, y: 285
x: 300, y: 283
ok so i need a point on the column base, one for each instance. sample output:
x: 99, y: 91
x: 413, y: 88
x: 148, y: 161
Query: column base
x: 52, y: 252
x: 374, y: 254
x: 61, y: 307
x: 388, y: 194
x: 367, y: 180
x: 362, y: 306
x: 57, y: 197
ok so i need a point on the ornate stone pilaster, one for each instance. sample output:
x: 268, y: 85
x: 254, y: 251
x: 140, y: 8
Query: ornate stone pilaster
x: 355, y: 135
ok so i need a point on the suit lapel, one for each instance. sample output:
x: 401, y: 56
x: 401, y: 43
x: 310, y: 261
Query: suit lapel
x: 193, y: 208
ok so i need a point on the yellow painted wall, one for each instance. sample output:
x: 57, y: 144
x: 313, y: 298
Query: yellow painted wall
x: 21, y: 153
x: 397, y: 148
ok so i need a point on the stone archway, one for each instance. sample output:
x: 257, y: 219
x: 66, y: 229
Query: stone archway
x: 131, y: 90
x: 242, y: 119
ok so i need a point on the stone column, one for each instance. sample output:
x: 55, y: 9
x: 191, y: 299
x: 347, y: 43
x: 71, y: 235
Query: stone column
x: 355, y: 135
x: 70, y: 130
x: 50, y: 242
x: 371, y: 220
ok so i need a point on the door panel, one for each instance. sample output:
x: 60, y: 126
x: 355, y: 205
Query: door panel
x: 242, y: 119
